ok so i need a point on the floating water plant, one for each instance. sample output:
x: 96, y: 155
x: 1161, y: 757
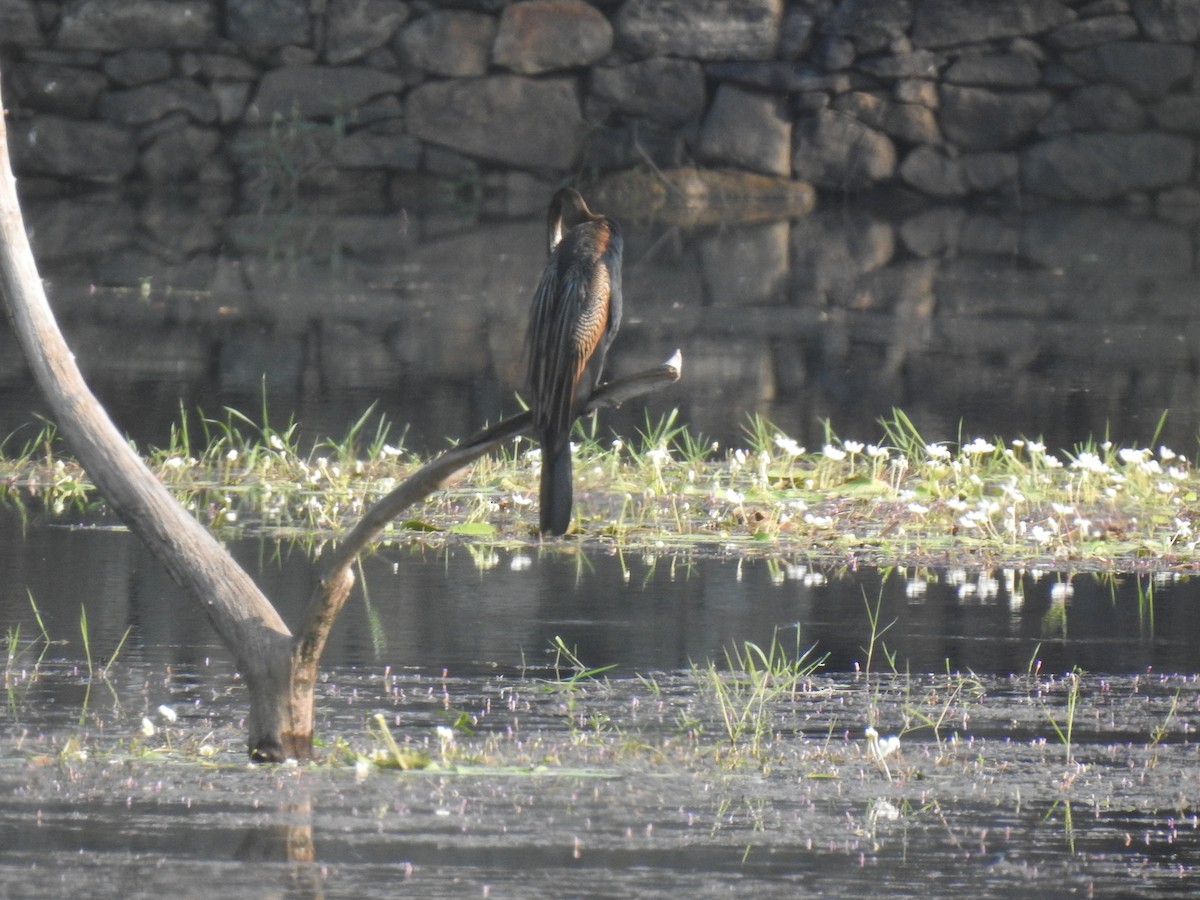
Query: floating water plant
x: 898, y: 500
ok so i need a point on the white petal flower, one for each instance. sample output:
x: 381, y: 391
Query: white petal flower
x: 788, y: 445
x: 834, y: 453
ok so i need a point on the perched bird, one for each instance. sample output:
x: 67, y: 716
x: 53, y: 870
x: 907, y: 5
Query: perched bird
x: 575, y: 315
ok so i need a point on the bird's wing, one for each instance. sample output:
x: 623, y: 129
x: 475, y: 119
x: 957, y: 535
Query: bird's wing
x: 569, y: 317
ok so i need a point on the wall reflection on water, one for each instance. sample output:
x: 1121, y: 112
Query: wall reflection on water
x: 1058, y: 322
x: 471, y: 611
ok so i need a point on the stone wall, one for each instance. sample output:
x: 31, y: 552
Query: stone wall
x: 380, y: 100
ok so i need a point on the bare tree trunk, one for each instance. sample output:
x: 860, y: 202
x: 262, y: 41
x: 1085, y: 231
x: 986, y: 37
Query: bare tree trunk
x: 280, y: 672
x: 245, y: 620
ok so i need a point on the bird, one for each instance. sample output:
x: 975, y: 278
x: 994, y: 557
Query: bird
x: 575, y: 315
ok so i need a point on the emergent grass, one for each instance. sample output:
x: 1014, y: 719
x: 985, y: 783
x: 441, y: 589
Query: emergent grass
x: 898, y: 500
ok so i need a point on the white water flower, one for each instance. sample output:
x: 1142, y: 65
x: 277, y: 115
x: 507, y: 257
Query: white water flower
x: 876, y: 452
x: 937, y: 451
x: 788, y: 445
x: 1040, y: 535
x: 834, y: 453
x: 853, y: 446
x: 1166, y: 453
x: 1090, y: 462
x: 389, y: 450
x: 978, y: 447
x: 167, y: 713
x: 1132, y: 456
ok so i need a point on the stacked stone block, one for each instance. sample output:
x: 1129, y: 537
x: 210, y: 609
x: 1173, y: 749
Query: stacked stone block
x: 1091, y: 100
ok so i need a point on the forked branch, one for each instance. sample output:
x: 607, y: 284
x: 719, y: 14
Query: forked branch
x: 334, y: 588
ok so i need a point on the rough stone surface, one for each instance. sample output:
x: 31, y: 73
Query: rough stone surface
x: 178, y: 154
x: 131, y: 68
x: 136, y: 24
x: 1177, y: 21
x: 378, y: 99
x: 871, y: 24
x: 980, y: 119
x: 317, y: 92
x: 669, y: 90
x: 49, y: 88
x: 1179, y: 114
x: 141, y: 105
x: 356, y: 27
x: 507, y: 119
x: 784, y: 77
x: 19, y: 24
x: 933, y: 172
x: 918, y: 64
x: 1147, y: 70
x: 995, y: 70
x: 266, y: 24
x: 946, y: 23
x: 454, y: 43
x: 991, y: 170
x: 700, y: 29
x: 1098, y: 167
x: 363, y: 150
x: 1095, y: 107
x: 748, y: 130
x: 906, y: 122
x: 537, y: 36
x: 919, y: 91
x: 91, y: 151
x: 1096, y: 30
x: 836, y: 151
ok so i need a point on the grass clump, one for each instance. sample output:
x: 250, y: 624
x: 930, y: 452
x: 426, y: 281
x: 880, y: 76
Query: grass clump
x: 899, y: 500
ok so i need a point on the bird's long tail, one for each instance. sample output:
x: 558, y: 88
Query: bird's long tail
x: 554, y: 512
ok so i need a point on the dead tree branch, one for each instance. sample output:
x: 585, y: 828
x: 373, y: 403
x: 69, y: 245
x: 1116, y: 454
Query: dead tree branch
x: 279, y: 671
x: 334, y: 587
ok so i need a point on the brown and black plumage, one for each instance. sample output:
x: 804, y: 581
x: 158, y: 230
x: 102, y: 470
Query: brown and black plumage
x: 575, y: 315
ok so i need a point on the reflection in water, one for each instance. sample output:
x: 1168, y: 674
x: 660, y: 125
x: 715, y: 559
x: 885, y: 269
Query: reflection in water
x: 1059, y: 322
x: 469, y: 612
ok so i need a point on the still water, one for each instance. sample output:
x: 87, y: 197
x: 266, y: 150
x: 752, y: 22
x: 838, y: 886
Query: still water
x: 611, y: 788
x: 1065, y: 323
x: 470, y: 611
x: 1060, y: 323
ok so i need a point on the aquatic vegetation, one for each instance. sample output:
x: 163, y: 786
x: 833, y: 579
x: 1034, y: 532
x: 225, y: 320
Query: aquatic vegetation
x: 753, y: 681
x: 899, y: 499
